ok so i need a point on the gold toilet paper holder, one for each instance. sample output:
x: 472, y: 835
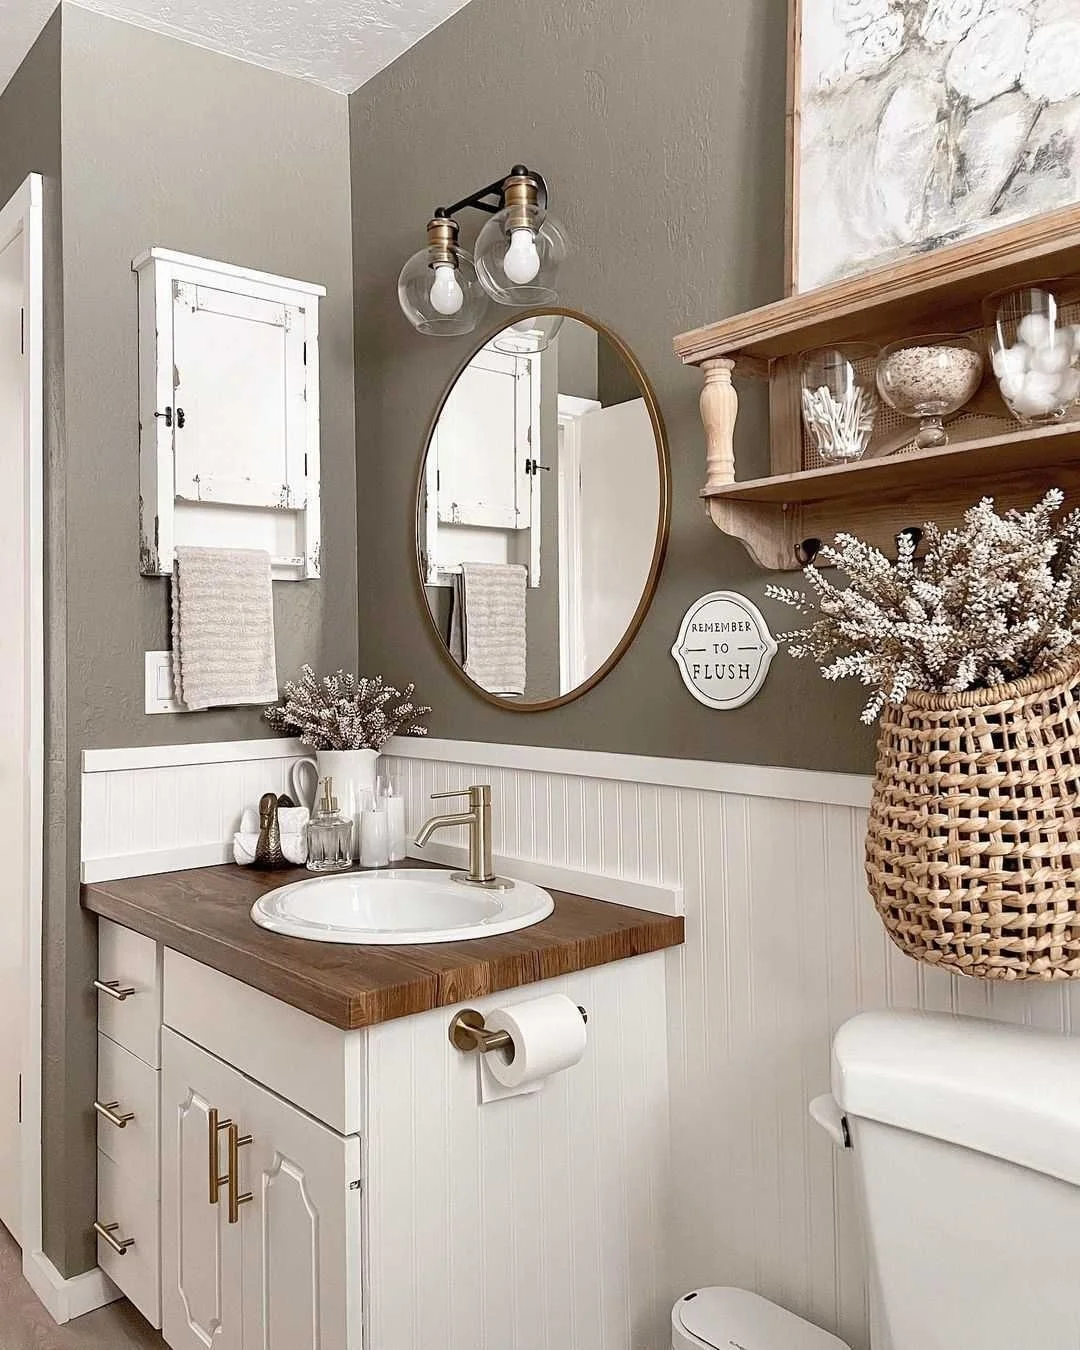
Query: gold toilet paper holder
x: 468, y: 1032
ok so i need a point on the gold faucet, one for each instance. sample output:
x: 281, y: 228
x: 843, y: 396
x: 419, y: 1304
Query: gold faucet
x: 478, y: 819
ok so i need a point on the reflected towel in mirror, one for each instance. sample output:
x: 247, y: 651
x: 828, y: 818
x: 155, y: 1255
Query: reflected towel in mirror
x: 487, y: 625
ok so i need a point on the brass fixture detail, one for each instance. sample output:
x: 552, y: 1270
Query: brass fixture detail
x: 105, y: 1231
x: 521, y: 193
x: 442, y: 234
x: 478, y: 819
x: 111, y: 1112
x: 216, y: 1125
x: 468, y: 1032
x: 236, y: 1199
x: 112, y: 988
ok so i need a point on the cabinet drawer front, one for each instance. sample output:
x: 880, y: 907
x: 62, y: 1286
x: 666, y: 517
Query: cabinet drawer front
x: 128, y: 960
x: 122, y: 1201
x: 125, y: 1080
x: 306, y: 1061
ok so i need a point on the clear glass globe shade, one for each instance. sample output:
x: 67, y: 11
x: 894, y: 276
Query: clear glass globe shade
x: 505, y: 261
x: 526, y: 337
x: 428, y: 294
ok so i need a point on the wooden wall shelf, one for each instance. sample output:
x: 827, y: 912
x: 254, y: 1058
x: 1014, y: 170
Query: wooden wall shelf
x: 991, y: 454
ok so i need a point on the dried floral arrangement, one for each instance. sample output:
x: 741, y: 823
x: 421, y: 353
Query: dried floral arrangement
x: 994, y: 600
x: 341, y: 712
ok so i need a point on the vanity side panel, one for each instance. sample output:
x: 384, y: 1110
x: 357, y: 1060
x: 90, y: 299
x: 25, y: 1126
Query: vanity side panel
x: 536, y: 1221
x: 304, y: 1060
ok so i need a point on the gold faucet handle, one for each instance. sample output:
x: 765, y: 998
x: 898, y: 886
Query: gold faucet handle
x: 479, y: 794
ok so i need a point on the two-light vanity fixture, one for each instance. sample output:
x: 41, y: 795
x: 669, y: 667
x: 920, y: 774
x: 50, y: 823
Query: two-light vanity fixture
x: 444, y: 290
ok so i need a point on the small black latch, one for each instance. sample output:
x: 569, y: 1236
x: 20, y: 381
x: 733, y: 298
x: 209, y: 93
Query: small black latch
x: 532, y: 467
x: 180, y: 418
x: 168, y: 416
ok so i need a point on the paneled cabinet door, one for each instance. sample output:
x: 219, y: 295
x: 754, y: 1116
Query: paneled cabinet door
x: 302, y: 1275
x: 201, y: 1258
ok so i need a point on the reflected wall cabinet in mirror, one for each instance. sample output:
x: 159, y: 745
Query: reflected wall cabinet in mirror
x: 542, y: 510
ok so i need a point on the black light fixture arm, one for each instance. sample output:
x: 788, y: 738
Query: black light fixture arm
x: 478, y: 202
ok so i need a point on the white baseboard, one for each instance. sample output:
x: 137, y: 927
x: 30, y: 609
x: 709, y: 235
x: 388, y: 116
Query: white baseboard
x: 202, y: 752
x: 619, y: 891
x: 67, y: 1299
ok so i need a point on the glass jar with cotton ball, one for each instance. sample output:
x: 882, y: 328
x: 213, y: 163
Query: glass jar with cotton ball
x: 438, y: 288
x: 1035, y: 353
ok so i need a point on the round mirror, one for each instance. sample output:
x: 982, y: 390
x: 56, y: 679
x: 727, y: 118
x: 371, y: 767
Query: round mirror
x: 542, y: 510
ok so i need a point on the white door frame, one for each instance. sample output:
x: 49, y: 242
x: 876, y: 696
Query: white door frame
x: 571, y: 633
x: 20, y: 219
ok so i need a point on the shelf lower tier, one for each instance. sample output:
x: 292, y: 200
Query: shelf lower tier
x: 877, y: 498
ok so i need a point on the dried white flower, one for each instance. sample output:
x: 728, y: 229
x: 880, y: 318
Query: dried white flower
x: 994, y: 600
x: 988, y: 61
x: 1052, y: 65
x: 949, y: 20
x: 340, y: 712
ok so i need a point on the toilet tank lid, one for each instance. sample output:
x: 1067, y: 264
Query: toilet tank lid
x: 723, y: 1317
x: 1009, y: 1091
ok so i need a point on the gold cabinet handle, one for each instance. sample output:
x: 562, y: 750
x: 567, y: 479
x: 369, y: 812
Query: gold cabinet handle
x: 236, y: 1199
x: 112, y: 988
x: 216, y: 1125
x: 111, y: 1112
x: 105, y: 1231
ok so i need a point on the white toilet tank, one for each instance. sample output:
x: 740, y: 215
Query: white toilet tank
x: 966, y: 1135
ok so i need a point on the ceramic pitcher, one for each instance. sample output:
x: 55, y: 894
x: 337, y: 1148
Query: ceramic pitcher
x: 354, y: 773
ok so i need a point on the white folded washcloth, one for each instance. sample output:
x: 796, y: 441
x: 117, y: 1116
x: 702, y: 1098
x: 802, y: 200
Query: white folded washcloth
x: 223, y: 627
x: 292, y: 825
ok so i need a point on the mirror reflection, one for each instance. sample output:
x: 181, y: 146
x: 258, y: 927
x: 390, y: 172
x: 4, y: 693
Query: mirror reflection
x: 542, y: 509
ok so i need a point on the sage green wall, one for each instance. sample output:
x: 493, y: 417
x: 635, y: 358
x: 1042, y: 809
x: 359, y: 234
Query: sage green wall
x: 660, y: 128
x: 167, y: 144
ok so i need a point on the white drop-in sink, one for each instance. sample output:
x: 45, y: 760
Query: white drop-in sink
x: 402, y: 905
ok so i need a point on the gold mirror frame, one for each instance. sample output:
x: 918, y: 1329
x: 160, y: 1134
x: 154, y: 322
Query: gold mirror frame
x: 663, y: 527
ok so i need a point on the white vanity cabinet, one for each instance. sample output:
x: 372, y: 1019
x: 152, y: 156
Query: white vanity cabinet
x: 263, y: 1257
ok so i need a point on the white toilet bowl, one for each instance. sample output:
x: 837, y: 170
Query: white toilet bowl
x: 735, y: 1319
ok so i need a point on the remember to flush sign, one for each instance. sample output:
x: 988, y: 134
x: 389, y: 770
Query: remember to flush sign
x: 723, y: 650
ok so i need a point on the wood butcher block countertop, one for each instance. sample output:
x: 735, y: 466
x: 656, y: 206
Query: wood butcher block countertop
x: 204, y: 914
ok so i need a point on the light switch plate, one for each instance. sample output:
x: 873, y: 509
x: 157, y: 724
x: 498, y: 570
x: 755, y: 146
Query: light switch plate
x: 160, y: 695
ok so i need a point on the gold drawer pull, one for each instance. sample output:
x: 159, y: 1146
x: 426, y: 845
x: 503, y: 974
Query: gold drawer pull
x: 236, y: 1143
x: 216, y: 1125
x: 112, y: 988
x: 105, y: 1231
x: 112, y: 1113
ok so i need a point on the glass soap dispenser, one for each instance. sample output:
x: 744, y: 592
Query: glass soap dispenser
x: 329, y: 833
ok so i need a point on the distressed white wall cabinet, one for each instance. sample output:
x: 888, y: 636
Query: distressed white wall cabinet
x: 228, y: 412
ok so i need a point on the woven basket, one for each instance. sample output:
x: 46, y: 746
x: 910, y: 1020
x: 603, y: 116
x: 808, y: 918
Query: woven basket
x: 973, y: 846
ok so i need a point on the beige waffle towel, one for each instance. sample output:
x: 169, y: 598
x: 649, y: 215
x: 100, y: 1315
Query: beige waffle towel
x: 489, y: 626
x: 223, y: 627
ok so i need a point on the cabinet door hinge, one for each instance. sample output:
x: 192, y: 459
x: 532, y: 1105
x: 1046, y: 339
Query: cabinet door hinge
x: 305, y: 353
x: 354, y: 1185
x: 22, y: 332
x: 20, y: 1099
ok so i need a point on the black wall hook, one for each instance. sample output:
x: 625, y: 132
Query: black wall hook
x: 807, y: 550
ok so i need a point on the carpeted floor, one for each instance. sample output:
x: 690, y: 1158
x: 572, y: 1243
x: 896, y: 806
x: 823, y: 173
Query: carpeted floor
x: 25, y: 1325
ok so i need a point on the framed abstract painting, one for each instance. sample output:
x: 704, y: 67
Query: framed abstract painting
x: 918, y: 123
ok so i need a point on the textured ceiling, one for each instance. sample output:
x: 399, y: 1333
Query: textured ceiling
x: 336, y: 43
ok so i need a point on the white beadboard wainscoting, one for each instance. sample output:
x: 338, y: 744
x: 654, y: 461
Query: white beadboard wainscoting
x: 783, y: 944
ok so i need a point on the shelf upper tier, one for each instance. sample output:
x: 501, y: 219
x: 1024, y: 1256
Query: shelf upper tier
x: 970, y: 462
x: 939, y: 291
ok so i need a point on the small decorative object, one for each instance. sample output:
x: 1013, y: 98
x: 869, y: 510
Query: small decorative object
x: 329, y: 834
x: 347, y: 721
x: 395, y: 822
x: 292, y: 831
x: 930, y: 378
x: 723, y: 650
x: 268, y: 851
x: 1034, y: 354
x: 920, y: 123
x: 374, y: 834
x: 839, y: 404
x: 972, y: 656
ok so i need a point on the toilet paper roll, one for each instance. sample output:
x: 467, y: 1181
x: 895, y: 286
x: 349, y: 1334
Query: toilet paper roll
x: 547, y: 1034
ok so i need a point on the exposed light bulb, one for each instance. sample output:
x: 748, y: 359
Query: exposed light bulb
x: 446, y: 294
x: 522, y: 261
